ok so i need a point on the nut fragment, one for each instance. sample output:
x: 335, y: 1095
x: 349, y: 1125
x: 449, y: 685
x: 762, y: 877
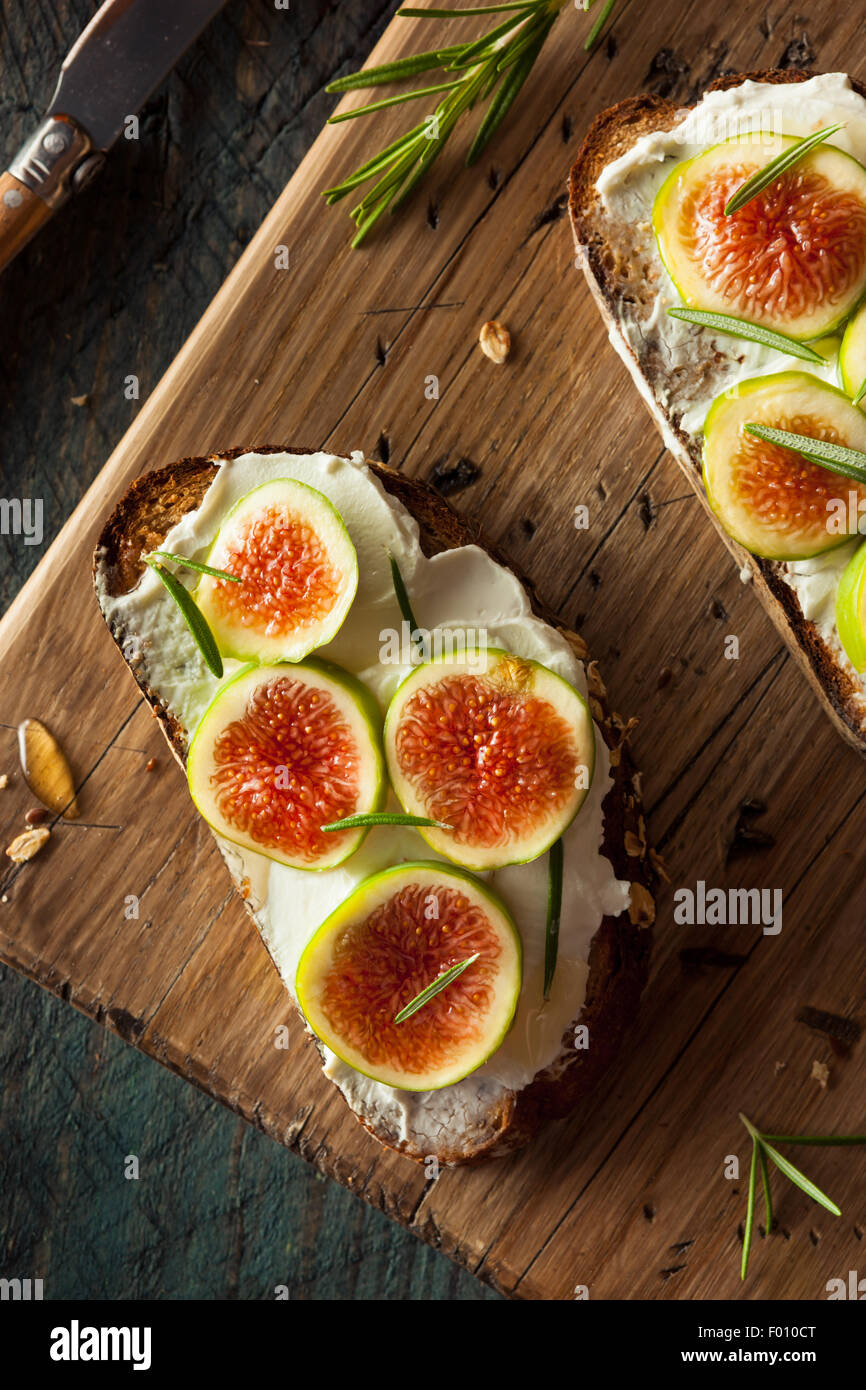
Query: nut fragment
x: 641, y: 908
x: 4, y: 779
x: 821, y: 1074
x: 495, y: 341
x: 635, y: 846
x: 30, y: 842
x: 594, y: 681
x: 576, y: 642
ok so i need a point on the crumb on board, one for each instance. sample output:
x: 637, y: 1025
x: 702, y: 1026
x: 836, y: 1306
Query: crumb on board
x: 28, y: 844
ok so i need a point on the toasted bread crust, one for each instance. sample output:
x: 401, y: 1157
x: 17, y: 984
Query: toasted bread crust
x: 606, y: 269
x: 620, y: 951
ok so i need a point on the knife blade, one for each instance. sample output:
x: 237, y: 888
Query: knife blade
x: 113, y: 67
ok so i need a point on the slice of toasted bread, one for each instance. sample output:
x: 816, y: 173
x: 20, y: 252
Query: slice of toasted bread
x: 619, y: 263
x: 498, y: 1120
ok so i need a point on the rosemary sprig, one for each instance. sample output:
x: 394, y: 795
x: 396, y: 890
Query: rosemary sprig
x: 440, y: 983
x: 187, y: 564
x: 402, y: 596
x: 494, y: 66
x: 764, y: 1148
x: 192, y: 615
x: 752, y: 332
x: 383, y: 818
x: 836, y: 458
x: 595, y: 32
x: 554, y: 912
x: 777, y: 166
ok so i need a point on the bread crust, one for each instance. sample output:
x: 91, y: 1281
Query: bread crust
x: 612, y: 133
x: 620, y: 950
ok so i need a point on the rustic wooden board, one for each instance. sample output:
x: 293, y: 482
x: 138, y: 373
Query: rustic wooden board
x: 629, y: 1198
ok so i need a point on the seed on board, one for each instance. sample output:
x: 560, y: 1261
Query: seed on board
x: 46, y: 770
x: 30, y: 842
x: 150, y: 765
x: 642, y: 909
x: 37, y: 815
x: 495, y: 341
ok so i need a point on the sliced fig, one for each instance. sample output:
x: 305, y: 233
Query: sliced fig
x: 852, y: 355
x: 282, y: 751
x: 499, y: 749
x: 792, y: 259
x: 851, y: 609
x: 298, y: 569
x: 771, y: 499
x: 393, y: 937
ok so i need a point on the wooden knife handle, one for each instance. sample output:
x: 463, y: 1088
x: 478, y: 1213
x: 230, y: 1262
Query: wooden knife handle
x: 22, y: 213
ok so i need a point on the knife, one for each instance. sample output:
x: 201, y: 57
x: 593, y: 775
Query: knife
x: 118, y: 61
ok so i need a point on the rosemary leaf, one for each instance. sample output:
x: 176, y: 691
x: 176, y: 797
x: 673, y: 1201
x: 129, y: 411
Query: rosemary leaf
x: 442, y: 981
x: 395, y: 72
x: 595, y: 32
x: 800, y: 1179
x: 765, y: 1179
x: 527, y: 38
x: 474, y: 52
x: 554, y: 912
x: 750, y: 1211
x: 501, y: 103
x: 196, y: 565
x: 752, y: 332
x: 392, y: 101
x: 402, y: 595
x: 836, y: 458
x: 776, y: 167
x: 835, y: 1140
x: 193, y: 617
x: 382, y: 818
x: 408, y: 12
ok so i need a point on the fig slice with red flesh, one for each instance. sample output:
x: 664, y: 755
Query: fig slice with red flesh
x: 283, y: 750
x: 499, y: 749
x: 393, y: 937
x: 298, y: 570
x: 792, y: 259
x: 771, y: 499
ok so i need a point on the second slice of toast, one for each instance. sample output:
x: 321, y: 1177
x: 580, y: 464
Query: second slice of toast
x: 623, y: 268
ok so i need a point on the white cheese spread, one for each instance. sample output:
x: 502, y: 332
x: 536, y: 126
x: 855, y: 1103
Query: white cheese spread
x: 628, y: 186
x: 457, y: 589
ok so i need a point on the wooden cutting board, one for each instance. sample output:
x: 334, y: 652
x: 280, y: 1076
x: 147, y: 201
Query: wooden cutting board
x: 748, y: 785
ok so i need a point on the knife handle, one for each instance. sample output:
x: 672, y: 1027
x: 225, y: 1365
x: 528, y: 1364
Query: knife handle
x: 22, y: 213
x: 57, y: 160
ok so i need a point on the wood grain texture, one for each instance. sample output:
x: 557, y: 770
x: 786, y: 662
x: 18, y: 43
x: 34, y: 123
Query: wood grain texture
x: 222, y: 1212
x: 22, y: 213
x: 337, y: 351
